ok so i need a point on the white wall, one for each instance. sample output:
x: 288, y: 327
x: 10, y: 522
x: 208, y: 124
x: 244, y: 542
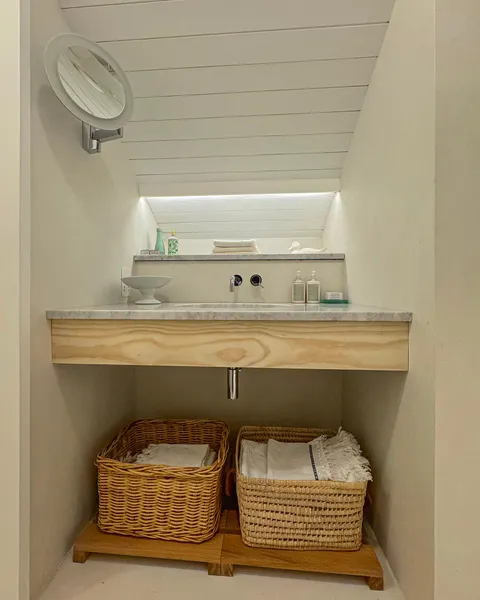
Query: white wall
x: 86, y: 223
x: 274, y: 397
x: 384, y: 221
x: 457, y: 475
x: 209, y: 281
x: 14, y: 330
x: 267, y: 396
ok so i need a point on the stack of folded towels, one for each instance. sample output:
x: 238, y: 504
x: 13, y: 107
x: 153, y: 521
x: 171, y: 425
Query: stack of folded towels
x: 175, y: 455
x: 337, y: 458
x: 235, y: 247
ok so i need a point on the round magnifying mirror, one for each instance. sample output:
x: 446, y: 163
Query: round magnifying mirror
x: 88, y: 81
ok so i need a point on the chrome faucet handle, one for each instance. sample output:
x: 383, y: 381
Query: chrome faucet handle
x: 256, y: 280
x: 235, y: 281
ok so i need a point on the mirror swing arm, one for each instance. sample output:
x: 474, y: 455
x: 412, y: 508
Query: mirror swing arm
x: 92, y: 86
x: 93, y: 138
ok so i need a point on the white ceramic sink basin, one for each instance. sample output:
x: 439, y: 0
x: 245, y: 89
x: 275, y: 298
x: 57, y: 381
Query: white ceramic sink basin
x: 254, y: 306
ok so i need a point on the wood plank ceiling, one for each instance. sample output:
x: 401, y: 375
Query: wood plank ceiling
x: 289, y: 216
x: 237, y: 96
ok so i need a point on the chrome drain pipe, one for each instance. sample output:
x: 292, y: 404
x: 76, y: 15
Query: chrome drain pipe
x: 233, y: 382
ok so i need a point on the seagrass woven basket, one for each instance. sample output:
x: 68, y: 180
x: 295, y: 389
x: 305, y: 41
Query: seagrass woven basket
x: 297, y: 515
x: 180, y: 504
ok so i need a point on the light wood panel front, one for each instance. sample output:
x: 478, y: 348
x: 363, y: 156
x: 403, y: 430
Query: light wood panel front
x: 262, y: 344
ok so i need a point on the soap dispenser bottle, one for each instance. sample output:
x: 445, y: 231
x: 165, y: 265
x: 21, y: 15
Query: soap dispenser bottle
x: 172, y: 244
x: 313, y: 290
x: 298, y: 290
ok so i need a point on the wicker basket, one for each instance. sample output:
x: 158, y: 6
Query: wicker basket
x: 181, y: 504
x: 298, y: 515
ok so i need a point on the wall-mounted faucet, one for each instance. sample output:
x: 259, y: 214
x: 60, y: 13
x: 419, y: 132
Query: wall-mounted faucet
x: 235, y: 281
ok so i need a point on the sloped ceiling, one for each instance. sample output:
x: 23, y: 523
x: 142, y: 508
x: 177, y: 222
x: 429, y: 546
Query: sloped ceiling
x: 292, y: 216
x: 234, y: 96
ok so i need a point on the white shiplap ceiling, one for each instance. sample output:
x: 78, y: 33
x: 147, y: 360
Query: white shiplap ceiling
x: 291, y: 216
x: 239, y: 96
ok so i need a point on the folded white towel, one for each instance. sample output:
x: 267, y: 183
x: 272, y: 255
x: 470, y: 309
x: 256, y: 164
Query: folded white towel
x: 235, y: 251
x: 253, y: 459
x: 235, y: 243
x: 210, y: 459
x: 176, y: 455
x: 295, y: 461
x: 337, y: 458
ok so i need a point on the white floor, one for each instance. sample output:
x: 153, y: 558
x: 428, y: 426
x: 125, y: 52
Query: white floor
x: 113, y: 578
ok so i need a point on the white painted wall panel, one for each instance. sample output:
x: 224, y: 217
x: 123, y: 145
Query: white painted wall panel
x: 312, y: 203
x: 385, y: 224
x: 216, y: 215
x: 249, y: 48
x: 275, y: 215
x: 240, y: 164
x: 90, y: 3
x: 248, y: 176
x: 190, y: 17
x: 235, y: 229
x: 246, y: 233
x: 234, y: 127
x: 254, y: 83
x: 259, y: 186
x: 86, y: 207
x: 249, y: 103
x: 277, y: 178
x: 335, y: 142
x: 246, y: 78
x: 457, y: 326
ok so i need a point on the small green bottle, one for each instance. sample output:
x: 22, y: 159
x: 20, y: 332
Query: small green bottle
x: 160, y: 244
x: 172, y: 244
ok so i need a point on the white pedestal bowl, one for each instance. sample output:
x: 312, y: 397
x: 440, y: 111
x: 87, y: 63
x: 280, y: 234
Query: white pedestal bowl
x: 146, y: 285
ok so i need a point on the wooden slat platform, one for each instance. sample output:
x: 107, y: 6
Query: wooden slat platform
x: 92, y: 540
x: 226, y: 550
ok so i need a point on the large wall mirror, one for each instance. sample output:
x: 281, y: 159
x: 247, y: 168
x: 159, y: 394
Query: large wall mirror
x: 279, y: 223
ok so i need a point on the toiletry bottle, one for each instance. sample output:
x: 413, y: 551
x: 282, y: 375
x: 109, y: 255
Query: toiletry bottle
x: 172, y: 244
x: 160, y: 244
x: 298, y: 290
x: 313, y: 290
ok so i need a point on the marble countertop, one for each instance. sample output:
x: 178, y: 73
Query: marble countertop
x: 238, y: 257
x: 233, y: 312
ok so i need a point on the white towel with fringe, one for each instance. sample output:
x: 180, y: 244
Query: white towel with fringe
x: 344, y: 460
x: 337, y: 458
x: 295, y: 461
x: 177, y: 455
